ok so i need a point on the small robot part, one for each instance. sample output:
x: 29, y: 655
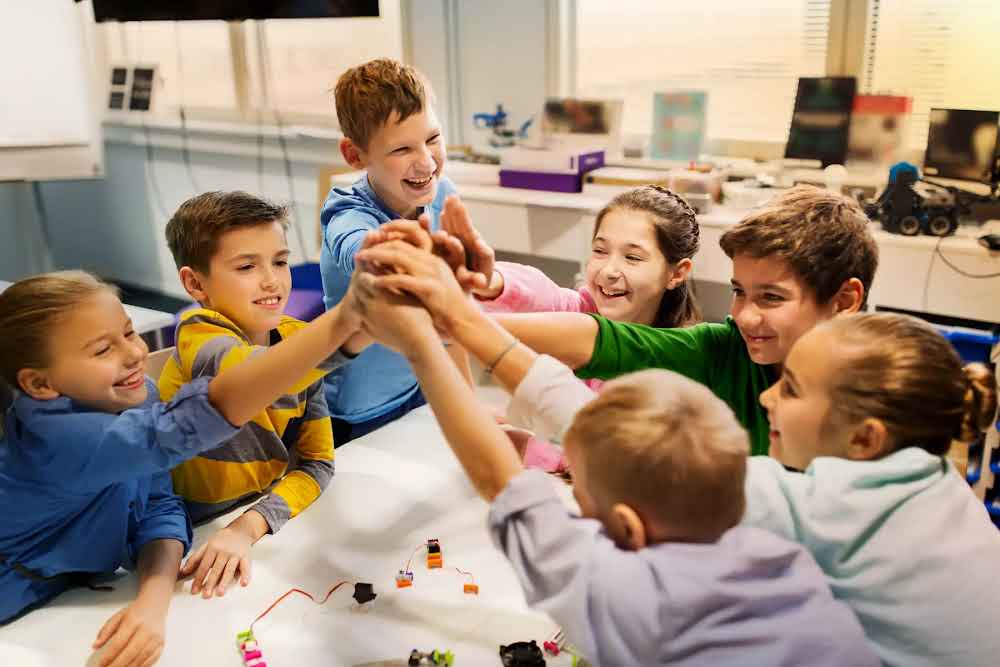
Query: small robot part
x: 522, y: 654
x: 404, y: 579
x: 364, y: 593
x: 247, y: 645
x: 435, y: 657
x: 434, y: 557
x: 551, y: 647
x: 471, y: 589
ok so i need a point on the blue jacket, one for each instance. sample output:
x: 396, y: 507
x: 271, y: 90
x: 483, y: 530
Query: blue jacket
x: 83, y: 491
x: 378, y: 380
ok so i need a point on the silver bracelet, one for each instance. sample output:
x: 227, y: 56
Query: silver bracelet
x: 492, y: 366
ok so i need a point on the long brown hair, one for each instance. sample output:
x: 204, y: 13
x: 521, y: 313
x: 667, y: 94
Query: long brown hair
x: 677, y: 236
x: 900, y: 370
x: 30, y: 308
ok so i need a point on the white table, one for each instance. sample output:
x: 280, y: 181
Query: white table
x: 145, y: 320
x: 393, y: 489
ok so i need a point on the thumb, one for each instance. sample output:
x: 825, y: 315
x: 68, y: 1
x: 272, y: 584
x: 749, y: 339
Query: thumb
x: 425, y: 221
x: 192, y: 562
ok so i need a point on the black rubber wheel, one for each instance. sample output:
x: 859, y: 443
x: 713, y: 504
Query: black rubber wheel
x: 909, y: 226
x: 940, y: 226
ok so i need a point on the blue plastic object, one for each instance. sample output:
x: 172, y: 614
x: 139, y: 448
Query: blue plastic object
x: 970, y: 345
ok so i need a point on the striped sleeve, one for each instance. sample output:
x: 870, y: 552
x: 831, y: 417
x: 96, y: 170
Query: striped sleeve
x: 312, y: 469
x: 208, y: 343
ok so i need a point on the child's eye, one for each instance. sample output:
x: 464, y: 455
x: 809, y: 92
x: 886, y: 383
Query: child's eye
x: 101, y: 352
x: 787, y: 389
x: 244, y: 267
x: 434, y: 139
x: 281, y: 262
x: 768, y: 296
x: 633, y: 258
x: 599, y: 251
x: 737, y: 291
x: 130, y: 333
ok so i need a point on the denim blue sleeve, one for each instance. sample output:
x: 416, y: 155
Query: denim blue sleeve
x: 346, y: 232
x: 164, y: 518
x: 106, y: 449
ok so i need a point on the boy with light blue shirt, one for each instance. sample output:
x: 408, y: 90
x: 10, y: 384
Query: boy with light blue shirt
x: 390, y: 131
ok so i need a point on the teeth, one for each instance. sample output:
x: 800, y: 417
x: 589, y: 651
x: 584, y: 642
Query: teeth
x: 418, y: 182
x: 610, y: 293
x: 270, y: 301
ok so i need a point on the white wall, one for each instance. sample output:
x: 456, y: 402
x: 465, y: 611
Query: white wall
x: 114, y: 226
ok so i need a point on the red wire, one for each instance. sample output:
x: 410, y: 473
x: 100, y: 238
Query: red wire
x: 302, y: 592
x: 411, y: 557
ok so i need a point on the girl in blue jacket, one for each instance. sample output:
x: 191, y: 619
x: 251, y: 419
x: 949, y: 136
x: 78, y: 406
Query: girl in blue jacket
x: 86, y: 449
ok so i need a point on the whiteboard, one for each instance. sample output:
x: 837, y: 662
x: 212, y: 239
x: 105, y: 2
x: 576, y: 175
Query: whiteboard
x: 49, y: 125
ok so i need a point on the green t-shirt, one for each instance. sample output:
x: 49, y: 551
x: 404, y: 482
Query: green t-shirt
x: 711, y: 353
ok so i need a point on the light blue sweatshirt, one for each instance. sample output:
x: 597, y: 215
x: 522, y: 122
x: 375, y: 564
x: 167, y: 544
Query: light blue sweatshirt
x: 903, y: 541
x: 378, y: 380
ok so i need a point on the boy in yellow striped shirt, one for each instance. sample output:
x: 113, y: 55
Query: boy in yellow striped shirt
x: 232, y: 257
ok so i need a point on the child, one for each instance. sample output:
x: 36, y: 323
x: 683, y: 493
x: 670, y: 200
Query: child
x: 640, y: 260
x: 868, y: 406
x: 656, y: 571
x: 805, y: 257
x: 85, y: 448
x: 391, y: 131
x: 639, y: 264
x: 232, y: 257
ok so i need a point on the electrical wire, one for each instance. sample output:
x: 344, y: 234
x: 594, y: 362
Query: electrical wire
x: 300, y: 592
x: 185, y: 149
x: 977, y: 276
x: 410, y: 559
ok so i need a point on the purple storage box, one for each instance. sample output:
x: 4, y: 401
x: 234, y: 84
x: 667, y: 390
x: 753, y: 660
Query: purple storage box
x: 554, y: 180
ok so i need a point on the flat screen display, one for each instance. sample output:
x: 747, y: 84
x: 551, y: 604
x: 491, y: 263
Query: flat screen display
x: 962, y: 144
x: 230, y: 10
x: 821, y: 119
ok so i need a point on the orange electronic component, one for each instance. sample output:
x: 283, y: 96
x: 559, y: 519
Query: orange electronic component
x: 471, y: 589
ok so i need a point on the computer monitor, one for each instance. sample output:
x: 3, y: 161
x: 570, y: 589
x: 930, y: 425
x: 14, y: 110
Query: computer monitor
x: 821, y: 119
x: 229, y: 10
x: 962, y: 144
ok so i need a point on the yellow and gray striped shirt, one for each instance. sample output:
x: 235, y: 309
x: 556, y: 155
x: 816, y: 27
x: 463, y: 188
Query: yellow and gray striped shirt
x: 284, y: 455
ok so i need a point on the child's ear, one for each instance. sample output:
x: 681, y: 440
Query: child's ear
x: 193, y: 284
x: 849, y: 297
x: 627, y: 528
x: 682, y: 271
x: 35, y: 383
x: 869, y: 441
x: 353, y: 155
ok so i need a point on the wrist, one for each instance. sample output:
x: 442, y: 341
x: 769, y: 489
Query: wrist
x: 252, y: 524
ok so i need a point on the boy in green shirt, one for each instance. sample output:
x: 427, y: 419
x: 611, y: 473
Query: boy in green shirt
x: 805, y: 257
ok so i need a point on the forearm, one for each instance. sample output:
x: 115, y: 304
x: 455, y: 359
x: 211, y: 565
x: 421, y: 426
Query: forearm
x: 157, y: 567
x: 486, y: 340
x: 479, y: 444
x: 461, y: 360
x: 244, y: 390
x: 569, y: 337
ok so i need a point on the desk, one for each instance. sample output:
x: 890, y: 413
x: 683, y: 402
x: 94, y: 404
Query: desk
x: 559, y: 225
x: 393, y: 489
x: 144, y: 320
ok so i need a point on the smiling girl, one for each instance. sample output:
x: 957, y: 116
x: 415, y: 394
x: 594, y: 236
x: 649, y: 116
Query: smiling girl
x: 867, y: 406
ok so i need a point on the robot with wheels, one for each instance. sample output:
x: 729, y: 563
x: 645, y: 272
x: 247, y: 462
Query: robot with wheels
x: 910, y: 205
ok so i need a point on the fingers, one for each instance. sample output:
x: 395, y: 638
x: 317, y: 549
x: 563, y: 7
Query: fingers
x: 399, y: 255
x: 414, y: 232
x: 204, y: 567
x: 193, y: 560
x: 227, y: 577
x: 120, y: 649
x: 245, y: 573
x: 214, y: 574
x: 108, y: 629
x: 151, y: 654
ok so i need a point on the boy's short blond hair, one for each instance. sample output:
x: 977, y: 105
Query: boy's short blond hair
x: 822, y: 235
x: 668, y: 447
x: 367, y: 95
